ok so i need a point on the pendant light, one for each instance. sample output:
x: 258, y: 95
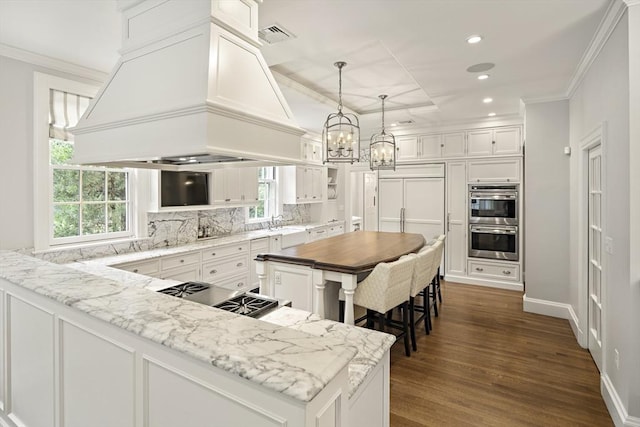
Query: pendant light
x: 341, y: 132
x: 382, y: 150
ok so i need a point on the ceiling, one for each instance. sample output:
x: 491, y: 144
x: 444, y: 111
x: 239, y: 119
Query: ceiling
x: 414, y: 51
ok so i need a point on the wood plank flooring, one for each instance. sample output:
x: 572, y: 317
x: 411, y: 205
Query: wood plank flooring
x: 487, y: 363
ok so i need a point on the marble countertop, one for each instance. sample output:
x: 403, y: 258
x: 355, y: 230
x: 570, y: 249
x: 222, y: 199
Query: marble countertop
x: 371, y: 345
x: 204, y: 244
x: 288, y: 360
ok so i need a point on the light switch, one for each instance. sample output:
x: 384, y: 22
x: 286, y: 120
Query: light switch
x: 278, y: 278
x: 608, y: 245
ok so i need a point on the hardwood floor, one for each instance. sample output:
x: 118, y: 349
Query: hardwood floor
x: 487, y: 363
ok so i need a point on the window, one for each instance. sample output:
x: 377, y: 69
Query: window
x: 266, y: 195
x: 74, y: 204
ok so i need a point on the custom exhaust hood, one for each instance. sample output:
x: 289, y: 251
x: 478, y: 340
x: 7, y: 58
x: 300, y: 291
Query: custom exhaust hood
x: 190, y: 90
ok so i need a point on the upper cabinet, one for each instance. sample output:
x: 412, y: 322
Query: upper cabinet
x: 235, y: 186
x: 302, y: 184
x: 311, y: 151
x: 476, y: 142
x: 498, y: 141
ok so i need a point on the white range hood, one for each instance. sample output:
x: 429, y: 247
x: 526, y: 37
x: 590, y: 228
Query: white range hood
x: 190, y: 87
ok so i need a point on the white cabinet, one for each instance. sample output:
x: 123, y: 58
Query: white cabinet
x: 407, y: 148
x: 494, y: 270
x: 430, y: 146
x: 413, y: 205
x: 507, y: 170
x: 311, y: 151
x: 148, y: 267
x: 294, y: 284
x: 497, y: 141
x: 294, y: 239
x: 456, y: 243
x: 235, y: 186
x: 302, y: 184
x: 441, y: 145
x: 453, y: 144
x: 335, y: 230
x: 317, y: 233
x: 184, y: 267
x: 223, y: 262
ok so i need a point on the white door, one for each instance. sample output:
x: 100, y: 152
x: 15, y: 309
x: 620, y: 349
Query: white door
x: 424, y: 206
x: 391, y: 203
x: 370, y: 192
x: 595, y: 255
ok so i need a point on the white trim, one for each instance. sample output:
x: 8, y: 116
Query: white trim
x: 544, y: 99
x: 483, y: 282
x: 632, y: 2
x: 597, y: 136
x: 546, y: 308
x: 605, y: 29
x: 574, y: 322
x: 614, y: 404
x: 52, y: 63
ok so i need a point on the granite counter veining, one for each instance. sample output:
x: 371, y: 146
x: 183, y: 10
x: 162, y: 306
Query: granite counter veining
x: 284, y: 359
x: 372, y: 345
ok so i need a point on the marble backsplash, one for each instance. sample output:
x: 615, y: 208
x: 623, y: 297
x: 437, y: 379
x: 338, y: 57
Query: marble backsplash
x: 177, y: 228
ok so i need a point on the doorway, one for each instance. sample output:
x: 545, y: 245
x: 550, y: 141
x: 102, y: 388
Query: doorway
x: 594, y: 259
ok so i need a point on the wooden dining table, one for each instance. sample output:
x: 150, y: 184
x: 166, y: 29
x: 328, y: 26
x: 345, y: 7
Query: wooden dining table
x: 339, y: 258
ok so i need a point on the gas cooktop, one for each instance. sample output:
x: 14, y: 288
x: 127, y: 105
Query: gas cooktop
x: 245, y: 303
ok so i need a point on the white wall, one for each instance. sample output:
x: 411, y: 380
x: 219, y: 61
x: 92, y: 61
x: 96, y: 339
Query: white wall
x: 546, y: 201
x: 603, y: 96
x: 16, y: 151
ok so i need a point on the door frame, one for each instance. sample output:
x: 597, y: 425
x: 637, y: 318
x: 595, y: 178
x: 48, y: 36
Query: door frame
x: 592, y: 139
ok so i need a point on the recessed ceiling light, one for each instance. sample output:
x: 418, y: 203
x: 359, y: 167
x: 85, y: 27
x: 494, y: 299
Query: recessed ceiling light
x: 491, y: 114
x: 483, y: 76
x: 487, y: 100
x: 474, y: 39
x: 481, y: 68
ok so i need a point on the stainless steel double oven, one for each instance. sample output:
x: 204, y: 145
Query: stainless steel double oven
x: 493, y: 221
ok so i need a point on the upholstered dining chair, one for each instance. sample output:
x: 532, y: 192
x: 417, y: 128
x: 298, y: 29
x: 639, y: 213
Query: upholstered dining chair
x: 388, y: 286
x: 422, y: 275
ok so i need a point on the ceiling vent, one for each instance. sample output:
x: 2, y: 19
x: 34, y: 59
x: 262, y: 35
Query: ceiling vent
x: 405, y: 122
x: 275, y: 33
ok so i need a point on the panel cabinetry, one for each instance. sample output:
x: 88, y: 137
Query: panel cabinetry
x: 302, y: 184
x: 507, y: 170
x: 226, y: 262
x: 494, y: 142
x: 184, y: 267
x: 441, y: 145
x: 311, y: 151
x: 456, y: 243
x: 235, y: 186
x: 494, y: 270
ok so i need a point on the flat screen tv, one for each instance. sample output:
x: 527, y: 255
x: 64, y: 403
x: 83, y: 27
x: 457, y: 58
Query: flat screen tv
x: 184, y: 188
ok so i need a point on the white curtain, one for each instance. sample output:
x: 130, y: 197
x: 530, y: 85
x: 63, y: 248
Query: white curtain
x: 65, y: 109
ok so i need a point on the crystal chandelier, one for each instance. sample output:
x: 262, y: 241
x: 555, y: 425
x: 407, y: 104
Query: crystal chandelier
x: 341, y: 132
x: 382, y: 150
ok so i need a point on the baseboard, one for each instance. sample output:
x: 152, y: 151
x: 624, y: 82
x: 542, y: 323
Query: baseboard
x: 614, y: 404
x: 575, y: 327
x: 547, y: 308
x: 483, y: 282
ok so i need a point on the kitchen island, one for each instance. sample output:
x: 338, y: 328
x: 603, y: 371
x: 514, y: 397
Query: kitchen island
x: 300, y: 273
x: 80, y: 349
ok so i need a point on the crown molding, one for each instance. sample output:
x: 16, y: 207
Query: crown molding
x: 542, y: 99
x: 631, y: 2
x: 52, y: 63
x: 605, y: 28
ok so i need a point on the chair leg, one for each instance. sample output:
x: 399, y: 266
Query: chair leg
x: 412, y: 323
x: 381, y: 318
x: 341, y: 311
x: 427, y: 312
x: 405, y: 327
x: 369, y: 323
x: 438, y: 280
x: 435, y: 297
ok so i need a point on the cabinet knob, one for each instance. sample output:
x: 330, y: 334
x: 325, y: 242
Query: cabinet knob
x: 493, y: 142
x: 227, y: 200
x: 506, y: 272
x: 240, y: 248
x: 479, y: 269
x: 239, y: 264
x: 213, y: 254
x: 181, y: 260
x: 135, y: 270
x: 240, y: 284
x: 213, y: 271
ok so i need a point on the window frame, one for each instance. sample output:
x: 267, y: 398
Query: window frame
x: 272, y: 200
x: 43, y: 171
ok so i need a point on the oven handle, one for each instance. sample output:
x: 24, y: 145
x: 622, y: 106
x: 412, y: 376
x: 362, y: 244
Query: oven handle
x: 493, y: 196
x: 493, y: 230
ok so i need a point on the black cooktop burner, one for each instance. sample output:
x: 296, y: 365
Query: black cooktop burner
x: 184, y: 289
x: 247, y: 305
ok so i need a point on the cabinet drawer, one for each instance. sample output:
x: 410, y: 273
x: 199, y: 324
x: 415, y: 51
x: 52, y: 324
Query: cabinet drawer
x: 188, y: 273
x: 211, y: 271
x: 147, y: 268
x: 509, y: 272
x: 260, y: 245
x: 336, y: 229
x: 239, y: 283
x: 223, y: 251
x: 180, y: 260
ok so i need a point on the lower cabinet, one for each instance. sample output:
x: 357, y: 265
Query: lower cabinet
x: 239, y: 283
x: 148, y: 267
x: 294, y: 284
x: 507, y: 170
x: 494, y: 270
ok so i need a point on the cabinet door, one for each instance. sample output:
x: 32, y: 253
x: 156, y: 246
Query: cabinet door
x: 424, y: 206
x: 219, y: 192
x: 456, y: 243
x: 494, y: 170
x: 301, y: 194
x: 407, y: 148
x: 316, y: 184
x: 233, y: 185
x: 453, y: 144
x: 506, y: 141
x: 188, y: 273
x: 315, y: 152
x: 480, y: 142
x: 391, y: 201
x: 249, y: 182
x: 431, y: 146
